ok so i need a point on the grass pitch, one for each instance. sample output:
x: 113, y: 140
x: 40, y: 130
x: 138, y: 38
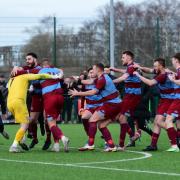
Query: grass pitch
x: 75, y: 165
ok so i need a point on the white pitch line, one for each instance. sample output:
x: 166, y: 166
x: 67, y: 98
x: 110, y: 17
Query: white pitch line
x: 146, y: 155
x: 93, y: 167
x: 128, y: 170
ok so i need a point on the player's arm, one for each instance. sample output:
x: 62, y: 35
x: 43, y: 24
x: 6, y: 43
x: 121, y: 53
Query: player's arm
x: 149, y: 82
x: 121, y: 78
x: 15, y: 70
x: 117, y: 70
x: 43, y: 76
x: 80, y: 93
x: 144, y: 69
x: 83, y: 81
x: 172, y: 78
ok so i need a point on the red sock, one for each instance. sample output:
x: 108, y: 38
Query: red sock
x: 178, y: 133
x: 48, y: 133
x: 129, y: 131
x: 57, y: 133
x: 34, y: 131
x: 124, y: 128
x: 92, y: 132
x: 107, y: 136
x: 172, y: 135
x: 86, y: 125
x: 154, y: 139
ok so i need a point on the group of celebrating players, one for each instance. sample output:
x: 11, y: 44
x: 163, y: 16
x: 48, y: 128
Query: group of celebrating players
x: 103, y: 104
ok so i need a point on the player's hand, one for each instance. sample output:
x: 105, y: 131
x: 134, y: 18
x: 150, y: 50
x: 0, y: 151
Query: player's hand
x: 73, y: 92
x: 171, y: 76
x: 137, y: 66
x: 58, y: 76
x: 31, y: 88
x: 15, y: 70
x: 81, y: 111
x: 136, y: 73
x: 112, y: 69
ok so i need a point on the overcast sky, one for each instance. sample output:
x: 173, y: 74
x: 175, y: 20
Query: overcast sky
x: 62, y: 8
x: 12, y: 29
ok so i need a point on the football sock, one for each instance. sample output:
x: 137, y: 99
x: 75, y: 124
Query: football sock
x: 57, y: 133
x: 154, y: 139
x: 124, y: 129
x: 172, y: 135
x: 92, y: 132
x: 86, y: 125
x: 107, y: 136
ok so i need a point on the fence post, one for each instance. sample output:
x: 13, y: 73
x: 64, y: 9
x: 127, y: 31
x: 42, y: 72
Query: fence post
x: 54, y: 41
x: 157, y: 37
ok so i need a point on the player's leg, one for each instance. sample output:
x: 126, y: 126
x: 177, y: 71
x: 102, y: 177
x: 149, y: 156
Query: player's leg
x: 18, y: 138
x: 53, y: 105
x: 2, y: 131
x: 57, y: 135
x: 128, y: 107
x: 158, y: 121
x: 86, y: 114
x: 48, y: 135
x: 178, y: 132
x: 142, y: 125
x: 172, y: 134
x: 102, y: 126
x: 124, y: 129
x: 97, y: 116
x: 19, y: 110
x: 33, y: 128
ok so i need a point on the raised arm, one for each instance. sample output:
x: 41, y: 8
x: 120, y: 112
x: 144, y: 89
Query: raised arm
x: 149, y: 82
x: 172, y: 78
x: 42, y: 76
x: 117, y: 70
x: 144, y: 69
x: 80, y: 93
x: 121, y: 78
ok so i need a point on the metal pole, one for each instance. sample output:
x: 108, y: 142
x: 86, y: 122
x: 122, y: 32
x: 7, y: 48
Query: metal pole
x: 111, y: 33
x: 54, y: 42
x: 157, y: 38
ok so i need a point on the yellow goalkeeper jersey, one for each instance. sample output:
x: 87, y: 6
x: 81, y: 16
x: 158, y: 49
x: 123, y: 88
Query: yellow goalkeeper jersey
x: 17, y: 86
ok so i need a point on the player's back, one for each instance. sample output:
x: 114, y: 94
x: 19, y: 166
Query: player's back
x: 49, y: 86
x: 17, y: 87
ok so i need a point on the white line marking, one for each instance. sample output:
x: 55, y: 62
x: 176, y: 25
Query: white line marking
x: 128, y: 170
x: 146, y: 155
x: 93, y: 167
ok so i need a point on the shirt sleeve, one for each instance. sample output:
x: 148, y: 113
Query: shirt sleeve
x: 178, y: 74
x: 161, y: 78
x: 100, y: 83
x: 38, y: 76
x: 130, y: 70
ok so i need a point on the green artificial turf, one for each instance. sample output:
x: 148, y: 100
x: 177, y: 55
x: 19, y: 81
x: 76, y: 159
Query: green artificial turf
x: 75, y: 165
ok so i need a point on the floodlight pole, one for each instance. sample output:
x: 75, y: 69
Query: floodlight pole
x: 111, y: 33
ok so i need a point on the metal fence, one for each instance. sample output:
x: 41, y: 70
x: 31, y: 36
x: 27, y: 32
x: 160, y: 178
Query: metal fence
x: 77, y: 43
